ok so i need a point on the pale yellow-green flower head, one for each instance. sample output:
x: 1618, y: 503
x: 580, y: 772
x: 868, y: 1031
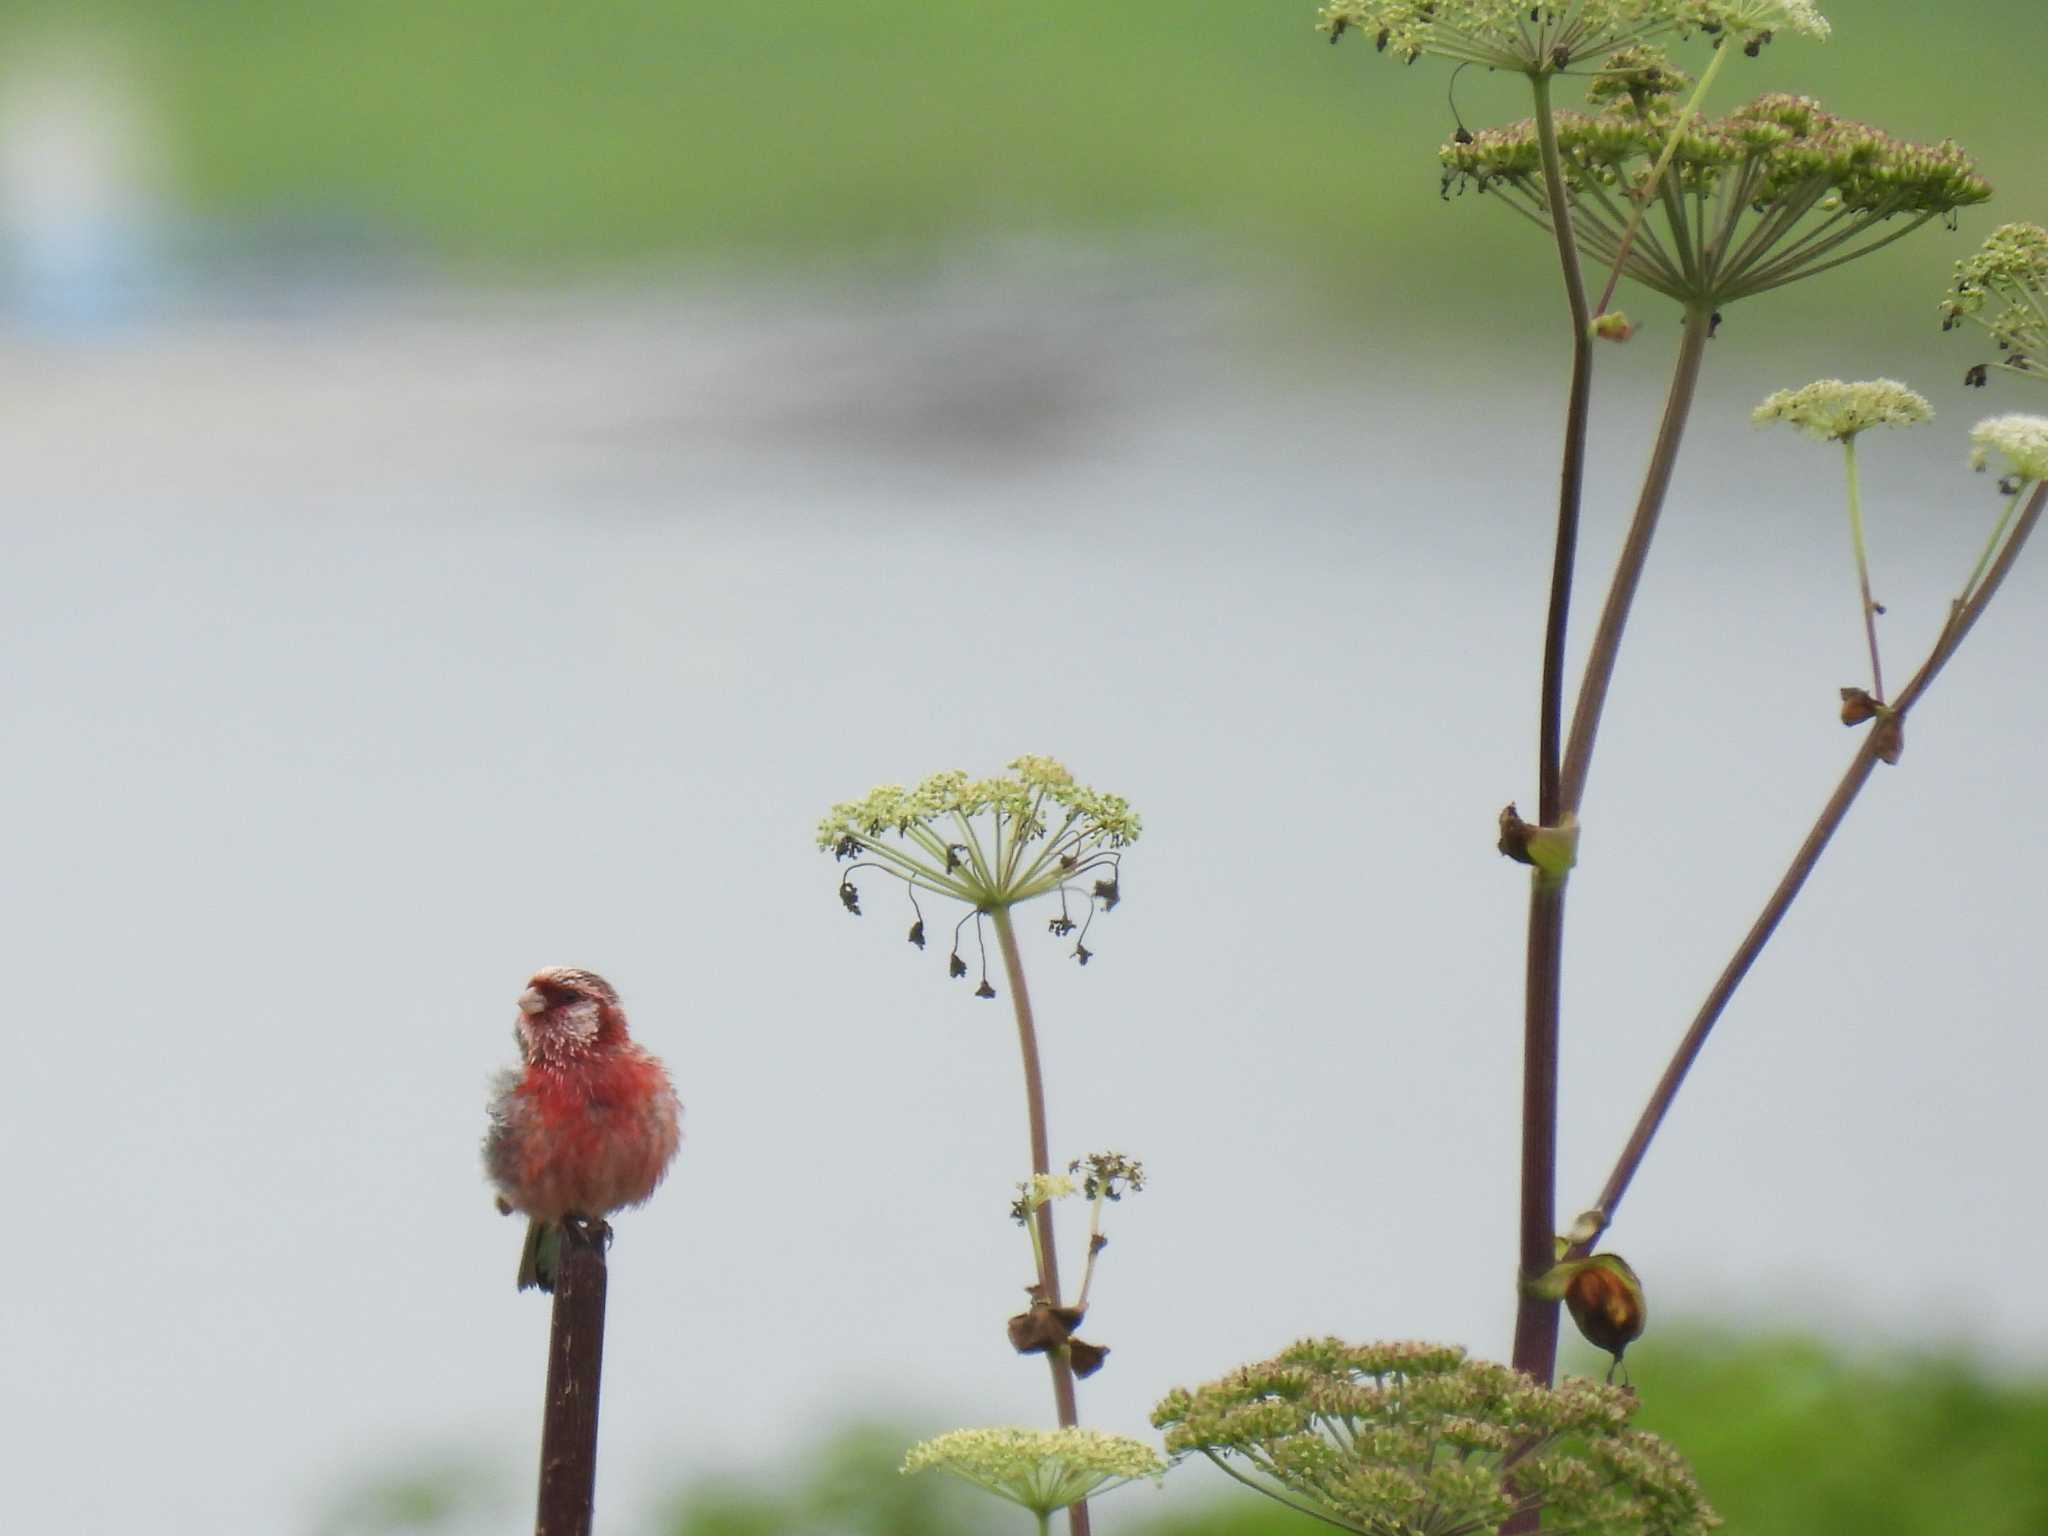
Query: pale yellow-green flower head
x: 1760, y: 18
x: 2021, y: 442
x: 1044, y: 1188
x: 1411, y: 1439
x: 2004, y: 289
x: 990, y: 843
x: 1543, y: 37
x: 1042, y: 1469
x: 1833, y: 411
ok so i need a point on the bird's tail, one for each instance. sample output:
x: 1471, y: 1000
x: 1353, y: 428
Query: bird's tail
x: 541, y: 1256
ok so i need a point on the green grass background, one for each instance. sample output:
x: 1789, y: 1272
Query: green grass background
x: 1789, y: 1437
x: 550, y: 137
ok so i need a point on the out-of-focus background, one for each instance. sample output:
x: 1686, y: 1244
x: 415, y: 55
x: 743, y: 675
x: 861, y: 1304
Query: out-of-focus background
x: 479, y: 482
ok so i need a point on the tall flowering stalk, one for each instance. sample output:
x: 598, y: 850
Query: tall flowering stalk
x: 1542, y: 41
x: 1705, y: 212
x: 992, y: 845
x: 1774, y: 192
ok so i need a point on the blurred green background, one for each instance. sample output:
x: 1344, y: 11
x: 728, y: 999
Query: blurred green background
x: 1789, y: 1437
x: 537, y: 138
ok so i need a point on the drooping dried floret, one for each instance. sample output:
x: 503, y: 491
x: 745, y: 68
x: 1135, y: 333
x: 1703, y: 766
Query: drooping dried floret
x: 1108, y: 1175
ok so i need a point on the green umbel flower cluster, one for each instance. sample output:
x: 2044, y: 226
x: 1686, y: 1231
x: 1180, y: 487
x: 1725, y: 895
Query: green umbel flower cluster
x: 1775, y: 191
x: 2004, y: 289
x: 1834, y: 411
x: 1541, y: 37
x: 990, y: 843
x: 1409, y: 1439
x: 2020, y: 441
x: 1042, y: 1469
x: 1020, y: 799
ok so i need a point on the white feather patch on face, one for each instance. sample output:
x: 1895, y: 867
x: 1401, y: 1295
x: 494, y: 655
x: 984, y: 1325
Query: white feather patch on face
x: 578, y: 1021
x: 567, y: 1028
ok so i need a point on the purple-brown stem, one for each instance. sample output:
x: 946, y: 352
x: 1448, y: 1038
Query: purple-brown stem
x: 1536, y: 1321
x: 1546, y: 901
x: 568, y: 1435
x: 1041, y: 1162
x: 1572, y: 472
x: 1635, y: 554
x: 1962, y: 619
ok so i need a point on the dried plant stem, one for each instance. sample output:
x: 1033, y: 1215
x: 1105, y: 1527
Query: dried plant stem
x: 1962, y: 619
x: 1041, y: 1162
x: 568, y: 1436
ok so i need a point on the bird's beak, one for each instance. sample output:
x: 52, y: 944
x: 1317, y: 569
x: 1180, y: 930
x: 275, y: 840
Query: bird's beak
x: 530, y: 1001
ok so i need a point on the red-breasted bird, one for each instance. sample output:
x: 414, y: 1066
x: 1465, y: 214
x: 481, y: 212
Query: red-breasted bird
x: 586, y: 1127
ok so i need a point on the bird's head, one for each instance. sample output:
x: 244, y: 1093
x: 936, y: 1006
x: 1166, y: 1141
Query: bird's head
x: 566, y: 1012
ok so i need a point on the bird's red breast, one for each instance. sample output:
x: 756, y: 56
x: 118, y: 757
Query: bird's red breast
x: 589, y: 1137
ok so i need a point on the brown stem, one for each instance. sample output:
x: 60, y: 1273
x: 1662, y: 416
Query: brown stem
x: 1962, y: 619
x: 1041, y: 1162
x: 1536, y: 1321
x: 1635, y: 553
x: 1572, y: 472
x: 1536, y: 1331
x: 568, y: 1435
x: 1572, y: 478
x: 1535, y: 1351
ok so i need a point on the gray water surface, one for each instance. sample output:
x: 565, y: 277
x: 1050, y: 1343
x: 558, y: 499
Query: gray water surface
x: 363, y: 656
